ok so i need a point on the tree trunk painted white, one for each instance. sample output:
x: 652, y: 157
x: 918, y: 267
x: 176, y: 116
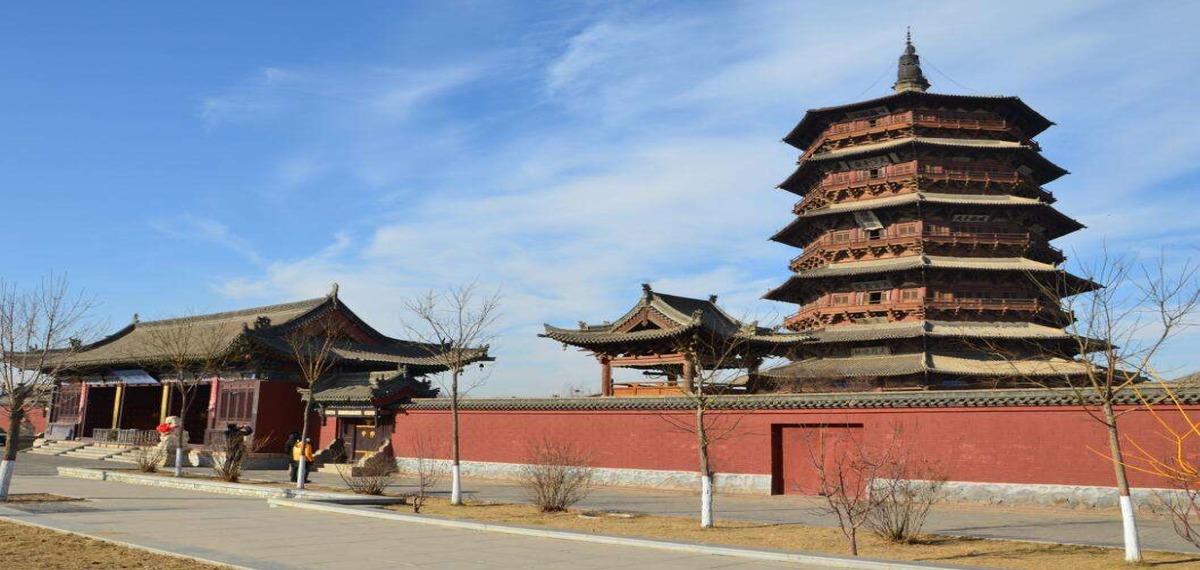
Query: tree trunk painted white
x: 706, y: 501
x: 7, y: 467
x: 455, y: 485
x: 8, y: 464
x: 455, y: 456
x: 1133, y: 547
x: 301, y: 469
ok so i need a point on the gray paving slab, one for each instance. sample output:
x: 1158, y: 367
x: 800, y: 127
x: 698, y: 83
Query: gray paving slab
x: 246, y: 532
x: 1098, y: 527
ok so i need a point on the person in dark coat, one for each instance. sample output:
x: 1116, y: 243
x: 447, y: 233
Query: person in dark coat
x: 293, y: 465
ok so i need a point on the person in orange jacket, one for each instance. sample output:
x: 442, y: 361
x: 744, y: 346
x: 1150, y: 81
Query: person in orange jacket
x: 301, y: 449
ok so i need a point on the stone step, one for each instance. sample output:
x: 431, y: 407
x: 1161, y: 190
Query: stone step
x: 57, y: 447
x: 331, y: 468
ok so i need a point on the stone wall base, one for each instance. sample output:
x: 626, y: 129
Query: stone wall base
x: 1048, y: 495
x: 739, y: 483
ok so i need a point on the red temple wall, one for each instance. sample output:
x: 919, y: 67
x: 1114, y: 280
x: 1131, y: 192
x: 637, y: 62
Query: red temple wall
x: 37, y: 416
x: 1046, y: 445
x: 280, y: 412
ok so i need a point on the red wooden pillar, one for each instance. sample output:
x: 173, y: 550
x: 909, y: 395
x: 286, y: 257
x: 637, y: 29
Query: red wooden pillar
x: 606, y: 382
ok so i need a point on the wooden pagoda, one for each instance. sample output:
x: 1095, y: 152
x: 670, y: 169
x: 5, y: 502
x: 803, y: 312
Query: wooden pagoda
x: 925, y: 234
x: 667, y: 336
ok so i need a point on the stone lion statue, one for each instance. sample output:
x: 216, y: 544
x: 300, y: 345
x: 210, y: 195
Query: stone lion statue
x: 169, y: 434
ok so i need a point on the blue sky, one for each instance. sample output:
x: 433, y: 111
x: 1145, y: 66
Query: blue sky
x: 178, y: 159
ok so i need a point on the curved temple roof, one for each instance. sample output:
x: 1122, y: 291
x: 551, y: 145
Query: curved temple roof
x: 142, y: 343
x: 659, y: 318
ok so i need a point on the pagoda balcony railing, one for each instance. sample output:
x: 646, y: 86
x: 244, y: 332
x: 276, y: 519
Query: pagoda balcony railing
x: 826, y: 244
x: 899, y: 173
x: 909, y: 119
x: 823, y: 311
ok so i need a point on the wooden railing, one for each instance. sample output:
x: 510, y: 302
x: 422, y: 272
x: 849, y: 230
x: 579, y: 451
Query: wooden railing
x: 884, y: 123
x: 941, y: 236
x: 825, y: 307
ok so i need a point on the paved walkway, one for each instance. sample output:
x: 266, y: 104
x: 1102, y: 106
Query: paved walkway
x: 1099, y: 527
x: 1083, y: 526
x: 245, y: 532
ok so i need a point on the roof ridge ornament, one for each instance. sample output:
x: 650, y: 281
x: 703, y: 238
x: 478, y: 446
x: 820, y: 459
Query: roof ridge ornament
x: 909, y: 76
x: 647, y: 292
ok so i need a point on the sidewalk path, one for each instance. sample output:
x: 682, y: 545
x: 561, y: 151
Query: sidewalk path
x: 246, y: 532
x: 1098, y: 527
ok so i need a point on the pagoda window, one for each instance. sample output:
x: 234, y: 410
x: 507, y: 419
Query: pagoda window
x: 906, y: 229
x: 873, y: 173
x: 874, y: 234
x: 875, y: 297
x: 868, y: 220
x: 911, y: 295
x: 841, y: 237
x: 841, y: 299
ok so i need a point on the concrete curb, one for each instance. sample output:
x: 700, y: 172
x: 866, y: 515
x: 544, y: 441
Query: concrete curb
x: 822, y: 560
x: 10, y: 515
x: 221, y: 487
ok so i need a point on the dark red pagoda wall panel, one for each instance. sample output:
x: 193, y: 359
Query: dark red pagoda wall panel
x: 1026, y: 445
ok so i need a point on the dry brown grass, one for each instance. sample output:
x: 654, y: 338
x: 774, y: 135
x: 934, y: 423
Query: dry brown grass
x: 947, y: 550
x: 24, y: 546
x: 38, y: 498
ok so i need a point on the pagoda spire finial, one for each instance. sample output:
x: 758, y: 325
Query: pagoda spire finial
x: 909, y: 76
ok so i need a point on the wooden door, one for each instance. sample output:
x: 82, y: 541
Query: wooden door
x: 798, y: 450
x: 368, y: 438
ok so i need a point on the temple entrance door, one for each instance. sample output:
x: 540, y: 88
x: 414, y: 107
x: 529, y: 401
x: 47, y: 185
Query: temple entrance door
x: 98, y: 412
x: 363, y: 437
x: 797, y: 449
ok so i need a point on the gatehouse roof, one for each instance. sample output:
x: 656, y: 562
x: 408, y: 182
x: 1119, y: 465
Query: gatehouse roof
x: 657, y: 320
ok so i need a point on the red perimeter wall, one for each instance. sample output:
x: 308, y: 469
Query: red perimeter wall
x: 1054, y: 445
x: 37, y: 416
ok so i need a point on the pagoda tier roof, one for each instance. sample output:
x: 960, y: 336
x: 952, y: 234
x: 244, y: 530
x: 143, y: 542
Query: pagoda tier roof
x: 370, y: 388
x: 1064, y: 223
x: 924, y: 363
x: 1073, y: 285
x: 141, y: 343
x: 1049, y: 171
x: 936, y: 329
x: 816, y: 120
x: 659, y: 319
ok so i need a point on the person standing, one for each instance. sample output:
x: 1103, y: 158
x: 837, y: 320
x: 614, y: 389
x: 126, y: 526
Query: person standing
x: 293, y: 465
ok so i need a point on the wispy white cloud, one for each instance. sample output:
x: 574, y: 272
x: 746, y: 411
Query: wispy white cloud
x: 207, y: 231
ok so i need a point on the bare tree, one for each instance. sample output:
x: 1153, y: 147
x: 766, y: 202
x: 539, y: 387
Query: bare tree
x: 1118, y: 330
x: 312, y: 346
x: 713, y: 364
x: 40, y: 329
x: 844, y: 468
x: 189, y: 351
x: 1179, y: 467
x: 456, y: 326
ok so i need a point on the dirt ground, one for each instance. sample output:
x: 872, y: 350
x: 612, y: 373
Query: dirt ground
x: 947, y: 550
x: 26, y: 548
